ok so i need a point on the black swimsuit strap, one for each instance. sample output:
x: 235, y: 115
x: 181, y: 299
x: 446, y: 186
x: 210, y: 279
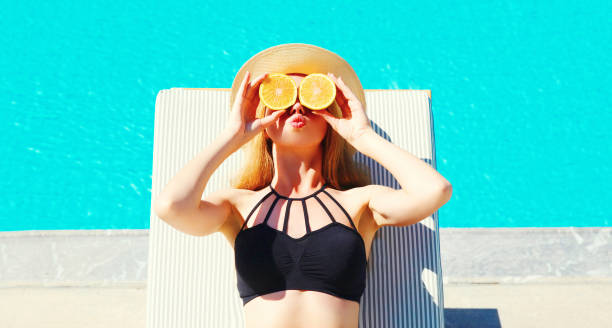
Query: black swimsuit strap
x: 342, y: 208
x: 303, y: 201
x: 270, y: 210
x: 306, y: 216
x: 254, y: 208
x: 299, y: 198
x: 287, y: 215
x: 325, y: 208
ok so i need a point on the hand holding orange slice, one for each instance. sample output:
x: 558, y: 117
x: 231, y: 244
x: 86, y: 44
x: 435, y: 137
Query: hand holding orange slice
x: 278, y: 91
x: 317, y: 91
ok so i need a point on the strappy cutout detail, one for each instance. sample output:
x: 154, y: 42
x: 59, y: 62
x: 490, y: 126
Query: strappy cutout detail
x: 289, y: 202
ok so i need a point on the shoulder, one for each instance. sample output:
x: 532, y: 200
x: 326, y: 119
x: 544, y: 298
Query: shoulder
x: 230, y: 198
x: 358, y: 199
x: 224, y: 195
x: 360, y: 195
x: 233, y: 197
x: 363, y: 196
x: 242, y: 199
x: 369, y: 191
x: 364, y: 193
x: 236, y: 199
x: 232, y: 194
x: 355, y: 198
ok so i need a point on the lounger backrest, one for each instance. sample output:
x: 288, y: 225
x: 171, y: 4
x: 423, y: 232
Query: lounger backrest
x: 192, y: 280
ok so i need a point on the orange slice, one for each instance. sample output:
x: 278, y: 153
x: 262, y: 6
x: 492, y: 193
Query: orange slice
x: 278, y: 91
x: 317, y: 91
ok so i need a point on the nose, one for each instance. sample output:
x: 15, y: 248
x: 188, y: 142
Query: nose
x: 297, y: 108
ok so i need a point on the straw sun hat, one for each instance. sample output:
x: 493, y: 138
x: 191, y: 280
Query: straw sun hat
x: 299, y: 58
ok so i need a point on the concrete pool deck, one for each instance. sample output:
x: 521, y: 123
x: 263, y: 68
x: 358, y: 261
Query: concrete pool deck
x: 495, y: 277
x: 558, y: 304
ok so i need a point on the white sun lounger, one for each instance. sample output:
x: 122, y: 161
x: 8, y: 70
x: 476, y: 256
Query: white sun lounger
x: 192, y: 280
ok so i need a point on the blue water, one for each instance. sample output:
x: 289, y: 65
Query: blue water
x: 520, y: 97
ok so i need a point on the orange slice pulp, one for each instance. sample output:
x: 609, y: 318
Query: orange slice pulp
x: 278, y: 91
x: 317, y: 91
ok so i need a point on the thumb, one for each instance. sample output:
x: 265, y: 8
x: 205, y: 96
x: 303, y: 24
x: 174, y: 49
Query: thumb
x: 329, y: 117
x: 325, y: 114
x: 268, y: 120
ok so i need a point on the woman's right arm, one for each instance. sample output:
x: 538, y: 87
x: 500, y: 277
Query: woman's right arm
x: 180, y: 203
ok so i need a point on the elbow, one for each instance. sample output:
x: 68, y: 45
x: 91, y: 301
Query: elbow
x: 162, y: 208
x: 442, y: 192
x: 446, y: 190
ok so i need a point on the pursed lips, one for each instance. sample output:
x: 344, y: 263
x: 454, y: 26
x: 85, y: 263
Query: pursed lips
x: 297, y: 117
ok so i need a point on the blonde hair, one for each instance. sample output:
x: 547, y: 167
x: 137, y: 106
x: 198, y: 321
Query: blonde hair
x: 339, y: 169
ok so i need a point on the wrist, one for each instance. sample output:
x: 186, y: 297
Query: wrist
x: 360, y: 136
x: 232, y: 137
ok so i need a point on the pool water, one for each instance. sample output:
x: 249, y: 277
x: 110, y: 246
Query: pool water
x: 519, y: 94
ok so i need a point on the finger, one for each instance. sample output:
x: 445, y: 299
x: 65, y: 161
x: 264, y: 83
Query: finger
x: 333, y: 78
x: 253, y: 87
x: 242, y: 90
x: 265, y: 121
x: 344, y: 107
x: 329, y: 117
x: 240, y: 93
x: 346, y: 91
x: 259, y: 79
x: 341, y: 96
x: 322, y: 113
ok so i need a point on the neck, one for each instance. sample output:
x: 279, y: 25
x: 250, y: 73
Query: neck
x: 297, y: 170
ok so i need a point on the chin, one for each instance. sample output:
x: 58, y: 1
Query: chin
x: 292, y: 138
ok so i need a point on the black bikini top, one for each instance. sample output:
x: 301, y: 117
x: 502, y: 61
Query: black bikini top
x: 330, y: 259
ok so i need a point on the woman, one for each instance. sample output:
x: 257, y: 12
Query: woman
x: 301, y: 216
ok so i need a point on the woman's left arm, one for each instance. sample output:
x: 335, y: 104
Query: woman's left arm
x: 423, y: 191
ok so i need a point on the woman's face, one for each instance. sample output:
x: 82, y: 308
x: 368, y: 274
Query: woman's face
x: 284, y: 134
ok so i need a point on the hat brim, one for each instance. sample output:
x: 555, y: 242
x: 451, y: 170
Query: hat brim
x: 299, y: 58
